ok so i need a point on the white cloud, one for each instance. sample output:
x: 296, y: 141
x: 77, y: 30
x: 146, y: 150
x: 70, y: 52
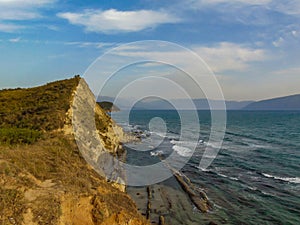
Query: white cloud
x: 248, y: 2
x: 290, y: 7
x: 278, y: 42
x: 52, y: 27
x: 17, y: 14
x: 90, y: 44
x: 221, y: 57
x: 9, y: 28
x: 295, y: 33
x: 15, y: 40
x: 288, y: 37
x: 293, y: 71
x: 25, y: 3
x: 249, y: 12
x: 112, y: 21
x: 22, y: 9
x: 227, y: 56
x: 19, y: 10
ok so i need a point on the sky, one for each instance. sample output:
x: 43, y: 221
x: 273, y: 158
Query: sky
x: 252, y: 46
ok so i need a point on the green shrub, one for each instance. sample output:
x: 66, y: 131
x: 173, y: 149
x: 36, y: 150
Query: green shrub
x: 13, y: 136
x: 41, y: 108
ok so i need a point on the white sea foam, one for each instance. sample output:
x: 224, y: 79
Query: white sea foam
x: 295, y: 180
x: 207, y: 156
x: 203, y: 169
x: 183, y: 151
x: 201, y: 142
x: 257, y: 145
x: 174, y: 142
x: 159, y: 134
x: 256, y: 189
x: 251, y: 188
x: 156, y: 153
x: 186, y: 144
x: 267, y: 193
x: 225, y: 176
x: 222, y: 175
x: 212, y: 145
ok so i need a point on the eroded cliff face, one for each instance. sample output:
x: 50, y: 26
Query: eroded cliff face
x: 53, y: 182
x: 98, y: 137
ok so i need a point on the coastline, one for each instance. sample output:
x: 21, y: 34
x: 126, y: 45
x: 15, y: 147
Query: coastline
x: 174, y: 201
x: 167, y: 203
x: 47, y: 180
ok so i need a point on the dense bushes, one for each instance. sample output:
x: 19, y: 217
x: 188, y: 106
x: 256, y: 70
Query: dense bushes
x: 24, y: 113
x: 40, y: 108
x: 13, y: 136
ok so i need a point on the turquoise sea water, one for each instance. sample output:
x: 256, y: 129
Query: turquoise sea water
x: 255, y: 178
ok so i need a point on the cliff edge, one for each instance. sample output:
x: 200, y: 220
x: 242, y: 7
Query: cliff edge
x: 44, y: 178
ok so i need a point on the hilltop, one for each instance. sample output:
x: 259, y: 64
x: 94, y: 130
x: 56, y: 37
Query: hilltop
x: 43, y: 176
x: 281, y: 103
x: 291, y: 102
x: 108, y: 106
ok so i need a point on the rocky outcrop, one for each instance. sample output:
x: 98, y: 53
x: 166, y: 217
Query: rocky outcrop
x: 197, y: 196
x: 97, y: 136
x: 49, y: 182
x: 108, y: 106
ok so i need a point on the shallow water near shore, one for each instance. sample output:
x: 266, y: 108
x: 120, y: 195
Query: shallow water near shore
x: 255, y: 178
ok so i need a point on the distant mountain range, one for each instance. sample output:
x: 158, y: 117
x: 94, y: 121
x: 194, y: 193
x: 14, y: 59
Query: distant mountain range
x: 200, y: 104
x: 283, y: 103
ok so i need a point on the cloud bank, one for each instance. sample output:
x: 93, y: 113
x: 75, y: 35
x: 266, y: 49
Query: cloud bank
x: 114, y: 21
x: 12, y: 11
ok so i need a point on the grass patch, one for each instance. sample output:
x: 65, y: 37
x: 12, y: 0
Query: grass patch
x: 12, y: 136
x: 11, y: 206
x: 47, y: 213
x: 40, y: 108
x: 54, y: 156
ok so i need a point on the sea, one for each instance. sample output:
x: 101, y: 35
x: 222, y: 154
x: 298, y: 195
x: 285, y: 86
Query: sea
x: 255, y: 177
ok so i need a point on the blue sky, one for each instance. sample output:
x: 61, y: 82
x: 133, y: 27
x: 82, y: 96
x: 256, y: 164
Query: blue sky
x: 253, y: 46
